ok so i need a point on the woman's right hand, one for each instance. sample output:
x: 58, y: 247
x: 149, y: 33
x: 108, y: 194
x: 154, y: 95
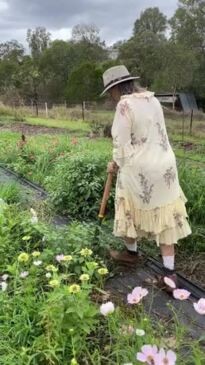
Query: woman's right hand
x: 112, y: 167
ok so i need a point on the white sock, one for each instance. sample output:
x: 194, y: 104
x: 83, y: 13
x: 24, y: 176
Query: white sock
x: 131, y: 246
x: 168, y: 262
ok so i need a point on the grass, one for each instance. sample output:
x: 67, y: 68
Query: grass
x: 56, y: 123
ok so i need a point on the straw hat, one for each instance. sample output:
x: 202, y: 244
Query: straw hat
x: 116, y: 75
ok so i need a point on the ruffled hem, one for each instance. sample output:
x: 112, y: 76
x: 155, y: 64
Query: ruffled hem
x: 166, y: 224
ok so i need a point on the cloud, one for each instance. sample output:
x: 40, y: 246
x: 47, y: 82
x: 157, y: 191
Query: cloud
x: 115, y: 18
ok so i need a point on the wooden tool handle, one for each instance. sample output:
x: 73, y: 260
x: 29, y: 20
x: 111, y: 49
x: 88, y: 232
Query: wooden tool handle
x: 106, y: 194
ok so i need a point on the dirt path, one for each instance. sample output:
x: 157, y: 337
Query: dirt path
x: 28, y: 129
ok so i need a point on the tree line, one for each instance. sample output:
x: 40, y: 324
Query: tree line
x: 168, y: 54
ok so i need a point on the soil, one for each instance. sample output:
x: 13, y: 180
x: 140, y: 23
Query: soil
x: 193, y: 268
x: 30, y: 130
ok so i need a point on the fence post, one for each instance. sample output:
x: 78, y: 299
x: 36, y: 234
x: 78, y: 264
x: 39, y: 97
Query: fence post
x: 183, y: 127
x: 191, y: 122
x: 83, y: 110
x: 46, y: 107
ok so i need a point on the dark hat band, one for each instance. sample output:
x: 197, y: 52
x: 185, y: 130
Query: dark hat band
x: 118, y: 79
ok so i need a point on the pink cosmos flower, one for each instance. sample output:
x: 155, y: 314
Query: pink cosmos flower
x: 137, y: 294
x: 147, y: 354
x: 181, y: 294
x: 169, y: 282
x: 107, y: 308
x: 60, y: 258
x: 165, y: 358
x: 200, y: 306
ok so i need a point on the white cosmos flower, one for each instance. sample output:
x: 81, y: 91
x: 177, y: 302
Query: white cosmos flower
x: 48, y: 275
x: 34, y: 218
x: 140, y: 332
x: 5, y: 277
x: 37, y: 262
x: 4, y: 286
x: 24, y: 274
x: 107, y: 308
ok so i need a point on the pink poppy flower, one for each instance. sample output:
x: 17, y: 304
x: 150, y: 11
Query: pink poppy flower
x: 165, y: 358
x: 200, y: 306
x: 147, y: 354
x: 137, y: 294
x: 169, y: 282
x: 181, y: 294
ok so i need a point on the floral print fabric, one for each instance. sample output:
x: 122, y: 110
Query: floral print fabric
x: 147, y: 180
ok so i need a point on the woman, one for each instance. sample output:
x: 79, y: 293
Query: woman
x: 149, y: 201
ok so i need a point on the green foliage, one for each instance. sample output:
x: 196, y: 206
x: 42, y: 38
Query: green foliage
x: 142, y: 55
x: 77, y: 184
x: 44, y: 322
x: 177, y: 69
x: 151, y: 20
x: 193, y: 184
x: 38, y: 40
x: 85, y: 83
x: 10, y: 193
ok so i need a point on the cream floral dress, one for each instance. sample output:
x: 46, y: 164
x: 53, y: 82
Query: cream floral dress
x: 149, y: 201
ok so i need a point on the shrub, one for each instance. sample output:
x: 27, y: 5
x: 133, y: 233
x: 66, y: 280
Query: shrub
x: 193, y: 184
x: 77, y: 184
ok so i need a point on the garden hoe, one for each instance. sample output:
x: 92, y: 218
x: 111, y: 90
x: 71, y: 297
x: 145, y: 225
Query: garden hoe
x: 104, y: 201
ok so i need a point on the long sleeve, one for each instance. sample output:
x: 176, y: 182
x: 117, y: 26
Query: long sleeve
x: 121, y: 132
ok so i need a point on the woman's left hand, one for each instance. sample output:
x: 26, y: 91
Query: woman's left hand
x: 112, y: 167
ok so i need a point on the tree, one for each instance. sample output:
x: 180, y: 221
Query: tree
x: 177, y: 71
x: 55, y: 64
x: 11, y: 50
x: 151, y: 20
x: 38, y: 40
x: 188, y: 24
x: 188, y: 29
x: 88, y: 45
x: 86, y: 32
x: 84, y: 83
x: 142, y: 54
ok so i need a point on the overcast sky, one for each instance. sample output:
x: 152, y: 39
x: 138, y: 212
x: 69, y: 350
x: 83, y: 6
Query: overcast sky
x: 115, y: 18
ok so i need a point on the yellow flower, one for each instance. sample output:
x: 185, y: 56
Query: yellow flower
x: 74, y: 362
x: 86, y: 252
x: 54, y: 283
x: 23, y: 257
x: 36, y: 253
x: 67, y: 258
x: 84, y: 277
x: 73, y: 289
x: 51, y: 268
x: 92, y: 265
x: 103, y: 271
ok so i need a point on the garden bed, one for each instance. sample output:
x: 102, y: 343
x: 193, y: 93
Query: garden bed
x: 54, y: 322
